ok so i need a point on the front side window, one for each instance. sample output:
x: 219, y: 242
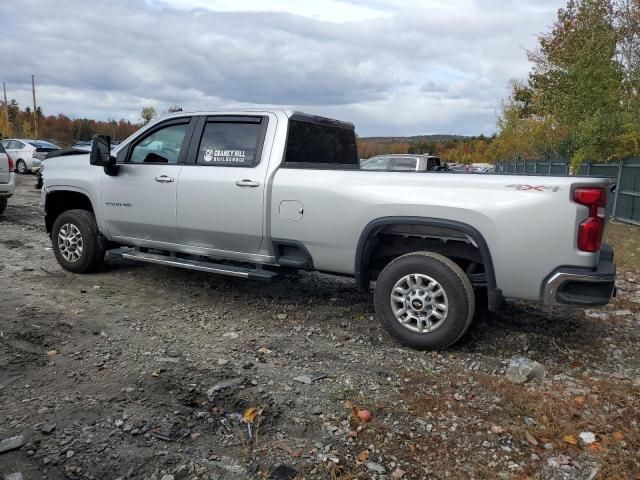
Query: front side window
x: 229, y: 144
x: 162, y: 146
x: 404, y: 164
x: 376, y: 163
x: 311, y: 144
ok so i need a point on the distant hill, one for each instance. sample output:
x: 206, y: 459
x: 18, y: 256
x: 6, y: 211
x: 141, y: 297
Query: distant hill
x: 437, y: 138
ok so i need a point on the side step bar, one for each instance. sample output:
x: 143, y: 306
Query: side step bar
x: 190, y: 264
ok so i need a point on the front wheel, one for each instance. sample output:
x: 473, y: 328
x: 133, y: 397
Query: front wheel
x: 76, y: 241
x: 21, y: 166
x: 424, y: 300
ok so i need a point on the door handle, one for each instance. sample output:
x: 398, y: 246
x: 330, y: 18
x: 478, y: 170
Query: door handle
x: 164, y: 179
x: 247, y: 183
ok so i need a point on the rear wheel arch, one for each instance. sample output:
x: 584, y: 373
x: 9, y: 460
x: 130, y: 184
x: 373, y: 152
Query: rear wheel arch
x: 369, y: 237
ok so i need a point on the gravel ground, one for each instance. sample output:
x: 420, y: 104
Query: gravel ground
x: 143, y: 371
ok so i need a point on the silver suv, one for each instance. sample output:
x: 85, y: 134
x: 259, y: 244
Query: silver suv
x: 7, y: 178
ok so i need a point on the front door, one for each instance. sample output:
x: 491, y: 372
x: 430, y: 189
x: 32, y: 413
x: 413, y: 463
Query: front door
x: 140, y: 201
x: 221, y: 190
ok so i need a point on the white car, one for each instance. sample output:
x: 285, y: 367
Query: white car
x: 27, y: 154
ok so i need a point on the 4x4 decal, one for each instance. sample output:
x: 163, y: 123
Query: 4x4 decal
x: 535, y: 188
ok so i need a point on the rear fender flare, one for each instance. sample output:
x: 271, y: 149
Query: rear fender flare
x: 362, y: 254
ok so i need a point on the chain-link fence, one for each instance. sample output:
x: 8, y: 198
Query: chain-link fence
x: 625, y: 204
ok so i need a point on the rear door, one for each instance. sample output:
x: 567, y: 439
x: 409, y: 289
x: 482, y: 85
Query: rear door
x: 4, y: 166
x: 222, y: 187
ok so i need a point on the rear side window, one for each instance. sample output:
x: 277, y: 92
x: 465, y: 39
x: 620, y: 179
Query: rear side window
x: 404, y: 164
x: 2, y: 148
x: 316, y: 145
x: 230, y: 144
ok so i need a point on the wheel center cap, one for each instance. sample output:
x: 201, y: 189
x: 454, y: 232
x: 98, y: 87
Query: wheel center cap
x: 417, y: 304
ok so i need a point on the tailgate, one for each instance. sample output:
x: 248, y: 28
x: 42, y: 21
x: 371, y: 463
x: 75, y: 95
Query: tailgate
x: 4, y: 166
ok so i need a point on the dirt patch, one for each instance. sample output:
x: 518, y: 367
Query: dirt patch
x: 147, y: 371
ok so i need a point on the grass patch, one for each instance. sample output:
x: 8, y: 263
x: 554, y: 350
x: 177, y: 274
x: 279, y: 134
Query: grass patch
x: 611, y: 411
x: 625, y: 240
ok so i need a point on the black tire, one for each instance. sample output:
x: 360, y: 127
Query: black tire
x: 454, y: 283
x: 93, y: 250
x: 21, y: 167
x: 3, y: 205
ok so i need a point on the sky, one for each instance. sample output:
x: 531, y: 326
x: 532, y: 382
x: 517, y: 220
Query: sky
x: 392, y: 67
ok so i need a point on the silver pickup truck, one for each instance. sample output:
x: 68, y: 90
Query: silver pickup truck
x: 254, y: 193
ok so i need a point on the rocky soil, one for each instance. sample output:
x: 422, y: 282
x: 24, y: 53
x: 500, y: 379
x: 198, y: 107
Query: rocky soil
x: 147, y: 372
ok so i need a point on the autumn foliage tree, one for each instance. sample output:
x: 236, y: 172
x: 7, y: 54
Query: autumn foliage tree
x: 580, y: 100
x: 60, y: 129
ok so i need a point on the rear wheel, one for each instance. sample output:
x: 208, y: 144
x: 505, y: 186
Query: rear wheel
x: 3, y: 205
x: 21, y: 166
x: 424, y: 300
x: 76, y: 241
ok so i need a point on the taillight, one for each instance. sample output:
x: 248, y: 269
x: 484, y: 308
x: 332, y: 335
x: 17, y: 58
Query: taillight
x: 11, y: 166
x: 590, y: 230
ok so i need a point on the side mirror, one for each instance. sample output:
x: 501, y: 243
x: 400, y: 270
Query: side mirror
x: 101, y: 154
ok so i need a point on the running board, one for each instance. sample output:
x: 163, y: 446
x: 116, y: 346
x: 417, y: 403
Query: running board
x: 199, y: 265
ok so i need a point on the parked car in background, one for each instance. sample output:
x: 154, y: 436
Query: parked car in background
x: 7, y: 178
x: 27, y: 154
x: 84, y: 146
x: 402, y: 163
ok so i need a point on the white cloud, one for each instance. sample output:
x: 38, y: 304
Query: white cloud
x: 392, y: 67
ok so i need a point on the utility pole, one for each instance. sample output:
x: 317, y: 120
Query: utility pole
x: 35, y: 114
x: 6, y: 105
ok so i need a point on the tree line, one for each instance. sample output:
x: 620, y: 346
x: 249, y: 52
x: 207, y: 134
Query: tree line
x: 65, y: 131
x: 455, y: 149
x: 60, y: 129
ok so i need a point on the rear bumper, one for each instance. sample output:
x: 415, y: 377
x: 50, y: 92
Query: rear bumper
x: 582, y: 286
x: 8, y: 189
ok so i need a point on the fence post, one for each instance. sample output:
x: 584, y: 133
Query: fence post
x: 615, y: 198
x: 566, y: 169
x: 535, y: 167
x: 550, y: 162
x: 588, y: 168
